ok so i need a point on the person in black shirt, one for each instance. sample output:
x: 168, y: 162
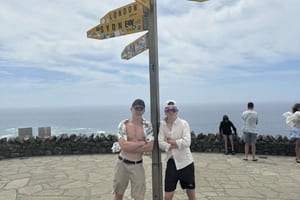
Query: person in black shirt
x: 225, y: 130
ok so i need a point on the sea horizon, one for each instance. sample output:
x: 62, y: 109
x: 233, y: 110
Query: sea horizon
x: 202, y: 117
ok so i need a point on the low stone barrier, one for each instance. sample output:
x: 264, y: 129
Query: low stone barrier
x: 81, y: 144
x: 55, y: 145
x: 265, y: 145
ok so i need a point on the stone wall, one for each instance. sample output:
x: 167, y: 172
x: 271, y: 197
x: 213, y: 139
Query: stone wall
x: 93, y: 144
x: 265, y: 145
x: 55, y: 145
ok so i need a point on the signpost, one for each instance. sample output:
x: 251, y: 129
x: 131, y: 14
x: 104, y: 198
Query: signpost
x: 157, y: 193
x: 132, y: 18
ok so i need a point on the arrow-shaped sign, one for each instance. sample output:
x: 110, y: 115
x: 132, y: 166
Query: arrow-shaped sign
x: 129, y: 11
x: 122, y: 21
x: 136, y: 47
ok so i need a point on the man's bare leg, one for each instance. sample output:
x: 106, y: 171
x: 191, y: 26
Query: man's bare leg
x: 118, y: 197
x: 246, y: 150
x: 226, y: 148
x: 169, y: 195
x: 298, y: 149
x: 231, y: 142
x: 253, y: 149
x: 191, y: 194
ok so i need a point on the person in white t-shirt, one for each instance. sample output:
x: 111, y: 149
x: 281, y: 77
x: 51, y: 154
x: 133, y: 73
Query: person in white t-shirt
x: 175, y: 138
x: 250, y: 120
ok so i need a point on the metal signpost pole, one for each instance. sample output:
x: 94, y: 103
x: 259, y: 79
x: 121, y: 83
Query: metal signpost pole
x: 154, y: 96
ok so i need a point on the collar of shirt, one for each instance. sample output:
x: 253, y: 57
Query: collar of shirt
x: 175, y: 122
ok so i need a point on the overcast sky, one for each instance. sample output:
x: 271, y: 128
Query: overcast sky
x: 214, y: 51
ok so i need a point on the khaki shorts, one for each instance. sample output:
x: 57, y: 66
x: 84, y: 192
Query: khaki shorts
x: 134, y: 173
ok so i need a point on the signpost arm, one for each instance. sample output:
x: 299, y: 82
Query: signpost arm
x: 154, y: 96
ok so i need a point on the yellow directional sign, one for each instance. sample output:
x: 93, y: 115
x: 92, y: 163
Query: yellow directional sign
x: 122, y: 21
x: 117, y: 28
x: 145, y: 3
x: 136, y: 47
x: 129, y: 11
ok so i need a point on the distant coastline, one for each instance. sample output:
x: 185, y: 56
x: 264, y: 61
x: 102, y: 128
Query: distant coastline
x: 114, y: 134
x: 203, y: 118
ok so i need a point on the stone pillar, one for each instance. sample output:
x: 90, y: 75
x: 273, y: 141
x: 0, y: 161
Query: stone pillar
x: 44, y: 132
x: 25, y: 132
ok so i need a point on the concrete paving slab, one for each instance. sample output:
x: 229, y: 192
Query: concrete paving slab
x: 89, y: 177
x: 8, y: 194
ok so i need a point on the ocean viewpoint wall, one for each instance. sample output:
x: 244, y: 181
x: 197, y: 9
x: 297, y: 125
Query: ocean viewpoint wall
x: 82, y: 144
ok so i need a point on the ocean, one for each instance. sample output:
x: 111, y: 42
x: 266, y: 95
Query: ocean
x: 203, y: 118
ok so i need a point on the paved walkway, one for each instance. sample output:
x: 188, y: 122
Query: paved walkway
x: 218, y: 177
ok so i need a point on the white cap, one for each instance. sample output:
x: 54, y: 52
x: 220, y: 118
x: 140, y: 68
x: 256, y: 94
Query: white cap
x: 170, y: 104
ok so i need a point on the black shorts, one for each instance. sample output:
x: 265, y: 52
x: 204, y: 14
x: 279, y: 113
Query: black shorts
x: 186, y: 176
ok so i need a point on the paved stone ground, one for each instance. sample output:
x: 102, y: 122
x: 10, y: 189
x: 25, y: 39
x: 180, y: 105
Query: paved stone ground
x: 85, y: 177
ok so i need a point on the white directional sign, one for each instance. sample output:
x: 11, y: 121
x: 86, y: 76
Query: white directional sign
x: 135, y: 48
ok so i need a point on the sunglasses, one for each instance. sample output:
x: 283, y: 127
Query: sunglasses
x: 139, y: 109
x: 169, y: 110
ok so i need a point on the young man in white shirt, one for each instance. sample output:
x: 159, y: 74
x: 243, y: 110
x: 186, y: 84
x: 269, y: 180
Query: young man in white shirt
x: 175, y: 138
x: 250, y: 120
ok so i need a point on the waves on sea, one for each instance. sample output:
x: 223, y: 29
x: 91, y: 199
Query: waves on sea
x: 203, y: 118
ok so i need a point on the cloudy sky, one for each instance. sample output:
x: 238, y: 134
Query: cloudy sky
x: 215, y: 51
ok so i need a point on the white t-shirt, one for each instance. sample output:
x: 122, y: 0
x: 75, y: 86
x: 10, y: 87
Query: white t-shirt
x: 250, y: 120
